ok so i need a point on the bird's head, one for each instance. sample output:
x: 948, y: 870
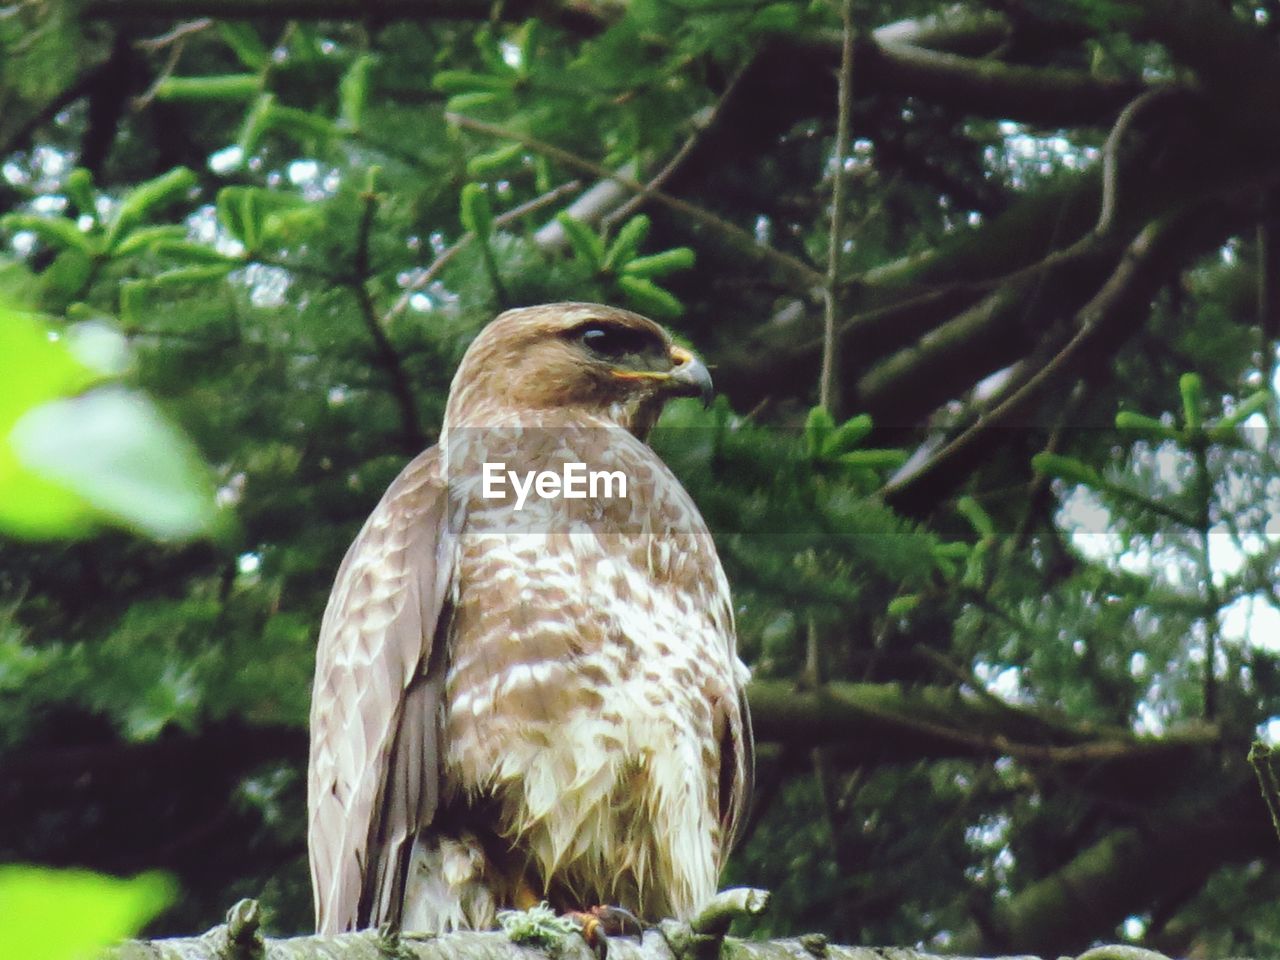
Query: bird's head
x: 578, y: 356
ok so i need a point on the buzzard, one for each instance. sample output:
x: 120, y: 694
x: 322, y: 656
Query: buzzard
x: 532, y: 702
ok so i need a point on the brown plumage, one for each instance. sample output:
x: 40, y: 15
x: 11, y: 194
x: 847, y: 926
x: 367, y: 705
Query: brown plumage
x: 537, y: 703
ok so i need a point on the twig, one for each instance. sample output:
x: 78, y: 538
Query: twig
x: 1091, y: 316
x: 1262, y: 759
x: 830, y: 341
x: 387, y: 356
x: 179, y: 32
x: 1111, y: 154
x: 1211, y: 614
x: 702, y: 122
x: 437, y: 266
x: 813, y: 678
x: 799, y: 275
x: 176, y: 41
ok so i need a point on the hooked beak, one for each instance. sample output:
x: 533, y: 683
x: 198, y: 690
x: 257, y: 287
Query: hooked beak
x: 689, y: 377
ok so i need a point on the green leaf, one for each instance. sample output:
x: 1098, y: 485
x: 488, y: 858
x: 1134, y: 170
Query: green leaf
x: 486, y: 164
x: 627, y: 242
x: 874, y: 459
x: 182, y: 276
x: 477, y: 215
x: 301, y: 125
x: 527, y: 41
x: 901, y: 606
x: 660, y: 264
x: 59, y: 232
x: 146, y: 197
x: 79, y: 190
x: 66, y: 277
x: 1192, y: 390
x: 1141, y: 423
x: 586, y: 243
x: 477, y: 100
x: 1254, y: 403
x: 195, y: 253
x: 249, y: 213
x: 466, y: 81
x: 256, y: 124
x: 243, y: 39
x: 113, y: 449
x: 818, y: 427
x: 649, y: 298
x: 775, y: 18
x: 847, y: 437
x: 34, y: 366
x: 147, y: 239
x: 233, y: 86
x: 73, y: 914
x: 353, y: 91
x: 1066, y: 468
x: 978, y: 518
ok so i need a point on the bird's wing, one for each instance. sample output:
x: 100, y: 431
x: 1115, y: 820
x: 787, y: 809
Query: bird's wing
x: 375, y: 768
x: 737, y: 773
x: 737, y: 744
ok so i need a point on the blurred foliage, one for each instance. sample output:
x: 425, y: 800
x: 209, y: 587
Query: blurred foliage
x: 264, y: 247
x: 70, y: 915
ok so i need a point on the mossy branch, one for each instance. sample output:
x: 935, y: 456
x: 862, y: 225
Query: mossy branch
x: 239, y: 939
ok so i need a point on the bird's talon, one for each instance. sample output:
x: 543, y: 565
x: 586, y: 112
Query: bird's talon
x: 618, y: 921
x: 592, y: 931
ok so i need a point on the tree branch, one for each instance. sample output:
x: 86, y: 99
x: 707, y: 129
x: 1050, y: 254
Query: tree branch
x: 873, y: 722
x: 582, y: 19
x: 240, y: 938
x: 844, y: 107
x: 1102, y: 884
x: 991, y: 88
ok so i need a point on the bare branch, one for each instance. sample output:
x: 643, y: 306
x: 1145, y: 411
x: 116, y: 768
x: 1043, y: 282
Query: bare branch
x: 844, y: 98
x: 703, y: 121
x: 1120, y: 298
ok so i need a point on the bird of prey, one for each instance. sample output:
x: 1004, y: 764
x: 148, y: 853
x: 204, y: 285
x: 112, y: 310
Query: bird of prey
x: 536, y: 703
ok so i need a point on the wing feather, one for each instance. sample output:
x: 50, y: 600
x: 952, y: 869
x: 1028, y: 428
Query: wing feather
x: 374, y: 776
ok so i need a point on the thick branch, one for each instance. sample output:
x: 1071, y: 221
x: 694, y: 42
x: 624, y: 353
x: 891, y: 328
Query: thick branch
x: 990, y: 88
x: 872, y: 722
x: 218, y: 945
x: 1124, y: 870
x: 383, y: 10
x: 869, y: 722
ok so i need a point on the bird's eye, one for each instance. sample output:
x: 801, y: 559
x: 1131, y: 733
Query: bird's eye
x: 612, y: 342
